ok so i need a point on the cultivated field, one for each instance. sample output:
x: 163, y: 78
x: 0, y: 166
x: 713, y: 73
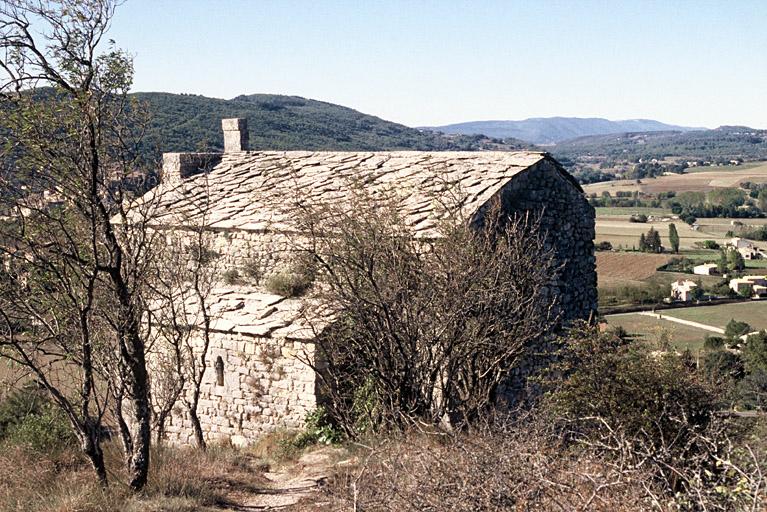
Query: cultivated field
x: 620, y: 268
x: 703, y: 180
x: 617, y: 230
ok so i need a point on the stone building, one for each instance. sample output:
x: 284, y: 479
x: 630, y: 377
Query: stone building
x: 258, y: 379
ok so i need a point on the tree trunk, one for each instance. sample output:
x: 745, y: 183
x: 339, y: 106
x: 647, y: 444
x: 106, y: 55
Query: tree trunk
x: 195, y: 418
x: 91, y: 446
x: 138, y: 467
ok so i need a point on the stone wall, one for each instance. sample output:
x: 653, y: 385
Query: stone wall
x: 268, y: 252
x: 567, y: 220
x: 568, y: 224
x: 266, y: 386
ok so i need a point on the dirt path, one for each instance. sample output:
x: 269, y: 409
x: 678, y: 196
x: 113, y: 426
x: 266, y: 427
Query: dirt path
x: 718, y: 330
x: 661, y: 316
x: 288, y: 485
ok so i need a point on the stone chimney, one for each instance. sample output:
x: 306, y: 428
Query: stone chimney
x: 235, y: 134
x: 178, y: 166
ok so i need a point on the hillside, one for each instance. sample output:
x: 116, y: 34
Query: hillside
x: 724, y: 143
x: 550, y: 130
x: 183, y: 122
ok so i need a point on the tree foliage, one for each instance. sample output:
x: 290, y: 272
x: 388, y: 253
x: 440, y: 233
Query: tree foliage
x: 673, y: 237
x: 71, y: 306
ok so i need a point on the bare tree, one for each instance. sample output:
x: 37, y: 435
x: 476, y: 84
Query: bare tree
x: 182, y: 284
x: 427, y: 329
x: 74, y: 300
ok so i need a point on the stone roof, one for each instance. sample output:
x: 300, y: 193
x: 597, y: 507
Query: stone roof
x: 252, y: 190
x: 249, y: 312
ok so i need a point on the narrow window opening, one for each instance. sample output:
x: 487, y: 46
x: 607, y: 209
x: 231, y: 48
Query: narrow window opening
x: 219, y: 371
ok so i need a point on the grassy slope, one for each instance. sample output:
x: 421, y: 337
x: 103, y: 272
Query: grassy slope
x: 754, y: 313
x: 650, y: 329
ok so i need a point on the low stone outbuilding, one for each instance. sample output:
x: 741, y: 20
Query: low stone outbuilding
x: 258, y: 378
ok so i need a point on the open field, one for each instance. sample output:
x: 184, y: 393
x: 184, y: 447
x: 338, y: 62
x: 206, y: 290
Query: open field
x: 650, y: 329
x: 621, y: 232
x: 754, y: 313
x: 616, y: 229
x: 707, y: 178
x: 618, y: 268
x: 621, y: 211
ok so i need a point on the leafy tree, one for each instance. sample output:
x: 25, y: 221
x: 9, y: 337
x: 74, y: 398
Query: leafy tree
x: 762, y: 200
x: 650, y: 242
x: 697, y: 292
x: 642, y: 243
x: 727, y: 198
x: 735, y: 260
x: 755, y: 352
x: 71, y: 308
x: 736, y: 329
x: 723, y: 264
x: 673, y: 237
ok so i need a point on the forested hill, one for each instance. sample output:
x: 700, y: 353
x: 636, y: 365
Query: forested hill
x: 183, y: 122
x: 721, y: 144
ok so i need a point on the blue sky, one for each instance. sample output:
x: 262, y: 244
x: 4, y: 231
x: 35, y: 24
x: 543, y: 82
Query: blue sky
x: 697, y: 63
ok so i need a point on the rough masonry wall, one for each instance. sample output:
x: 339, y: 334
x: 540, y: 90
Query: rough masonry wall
x: 266, y: 387
x: 265, y: 251
x: 568, y: 222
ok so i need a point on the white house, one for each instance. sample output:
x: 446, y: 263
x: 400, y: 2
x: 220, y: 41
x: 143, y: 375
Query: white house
x: 707, y: 269
x: 683, y: 289
x: 749, y: 253
x: 758, y: 284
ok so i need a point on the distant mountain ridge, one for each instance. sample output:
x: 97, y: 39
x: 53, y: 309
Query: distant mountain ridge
x: 552, y: 130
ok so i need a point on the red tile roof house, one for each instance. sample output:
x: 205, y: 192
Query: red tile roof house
x: 257, y: 378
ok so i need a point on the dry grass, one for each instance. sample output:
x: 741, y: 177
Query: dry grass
x: 180, y: 480
x: 645, y: 328
x: 481, y: 471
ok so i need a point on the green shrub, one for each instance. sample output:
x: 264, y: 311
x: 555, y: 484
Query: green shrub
x: 253, y: 271
x: 29, y: 419
x: 287, y: 284
x: 44, y: 432
x: 318, y: 429
x: 623, y: 400
x: 295, y: 280
x: 736, y: 329
x: 232, y: 276
x: 713, y: 342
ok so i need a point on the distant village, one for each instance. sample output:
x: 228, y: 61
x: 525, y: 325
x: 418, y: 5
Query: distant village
x: 747, y: 286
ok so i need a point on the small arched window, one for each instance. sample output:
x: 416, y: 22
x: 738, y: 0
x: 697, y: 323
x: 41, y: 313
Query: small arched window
x: 219, y: 371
